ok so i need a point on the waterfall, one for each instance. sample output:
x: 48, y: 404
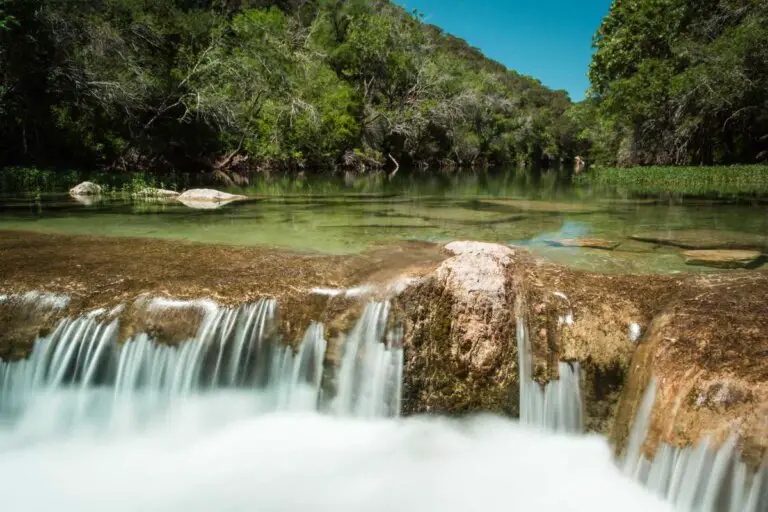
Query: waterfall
x: 556, y: 406
x: 82, y: 373
x: 699, y: 478
x: 237, y: 348
x: 371, y: 373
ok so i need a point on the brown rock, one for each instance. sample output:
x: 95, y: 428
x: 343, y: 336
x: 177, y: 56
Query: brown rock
x: 708, y: 351
x: 705, y: 339
x: 460, y: 333
x: 723, y: 258
x: 591, y: 243
x: 705, y: 239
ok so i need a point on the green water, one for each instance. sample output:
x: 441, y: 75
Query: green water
x: 348, y: 215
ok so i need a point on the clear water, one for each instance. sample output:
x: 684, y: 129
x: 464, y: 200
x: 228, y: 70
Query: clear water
x: 338, y: 216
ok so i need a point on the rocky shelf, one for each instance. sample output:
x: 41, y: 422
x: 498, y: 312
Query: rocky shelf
x: 703, y: 337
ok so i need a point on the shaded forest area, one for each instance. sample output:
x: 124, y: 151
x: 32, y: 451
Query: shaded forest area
x: 678, y: 82
x: 235, y: 86
x: 229, y: 85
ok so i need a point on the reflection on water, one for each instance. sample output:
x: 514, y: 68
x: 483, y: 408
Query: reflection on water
x: 337, y: 215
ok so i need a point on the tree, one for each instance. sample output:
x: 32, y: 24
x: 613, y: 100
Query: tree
x: 682, y: 82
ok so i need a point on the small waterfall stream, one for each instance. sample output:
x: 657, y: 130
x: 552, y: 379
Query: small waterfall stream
x: 557, y: 405
x: 700, y: 478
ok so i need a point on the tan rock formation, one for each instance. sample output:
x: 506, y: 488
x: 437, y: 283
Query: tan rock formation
x: 590, y: 243
x: 704, y: 338
x: 459, y: 331
x: 708, y: 351
x: 723, y: 258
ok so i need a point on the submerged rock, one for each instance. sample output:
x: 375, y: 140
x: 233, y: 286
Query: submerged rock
x: 86, y: 188
x: 88, y: 200
x: 723, y: 258
x: 541, y: 206
x: 590, y: 243
x: 702, y: 239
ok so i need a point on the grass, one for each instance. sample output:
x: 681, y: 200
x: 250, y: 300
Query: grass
x: 33, y: 182
x: 699, y: 181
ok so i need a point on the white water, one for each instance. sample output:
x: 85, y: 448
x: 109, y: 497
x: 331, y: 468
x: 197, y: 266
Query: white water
x: 557, y: 405
x: 233, y: 348
x: 198, y: 459
x: 700, y: 478
x: 371, y: 373
x: 229, y: 421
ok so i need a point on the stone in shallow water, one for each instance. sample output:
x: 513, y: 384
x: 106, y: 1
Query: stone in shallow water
x: 591, y: 243
x: 207, y: 194
x: 705, y: 239
x: 206, y: 198
x: 723, y: 258
x: 86, y: 188
x: 543, y: 206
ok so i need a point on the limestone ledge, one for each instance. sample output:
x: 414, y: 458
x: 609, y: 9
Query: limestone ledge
x: 704, y: 338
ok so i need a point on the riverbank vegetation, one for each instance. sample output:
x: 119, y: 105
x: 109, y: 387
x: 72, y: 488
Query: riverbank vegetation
x: 230, y: 87
x: 696, y: 181
x: 676, y: 82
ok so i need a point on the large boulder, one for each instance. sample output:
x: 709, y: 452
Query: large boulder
x: 459, y: 337
x: 86, y: 188
x: 208, y: 194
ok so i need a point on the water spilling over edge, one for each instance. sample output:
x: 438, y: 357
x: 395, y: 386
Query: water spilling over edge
x: 81, y: 373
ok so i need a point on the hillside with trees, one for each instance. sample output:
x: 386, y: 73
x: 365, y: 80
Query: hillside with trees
x: 226, y: 86
x: 679, y: 82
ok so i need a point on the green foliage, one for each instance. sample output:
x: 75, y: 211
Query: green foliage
x: 230, y: 86
x: 698, y: 181
x: 680, y: 82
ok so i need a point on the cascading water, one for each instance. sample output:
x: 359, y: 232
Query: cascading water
x: 556, y: 406
x: 698, y: 478
x: 238, y: 429
x: 234, y: 348
x: 371, y: 373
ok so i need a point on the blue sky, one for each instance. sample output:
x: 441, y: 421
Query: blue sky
x: 547, y: 39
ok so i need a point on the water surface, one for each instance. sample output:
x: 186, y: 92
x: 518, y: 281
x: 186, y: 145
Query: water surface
x: 338, y: 215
